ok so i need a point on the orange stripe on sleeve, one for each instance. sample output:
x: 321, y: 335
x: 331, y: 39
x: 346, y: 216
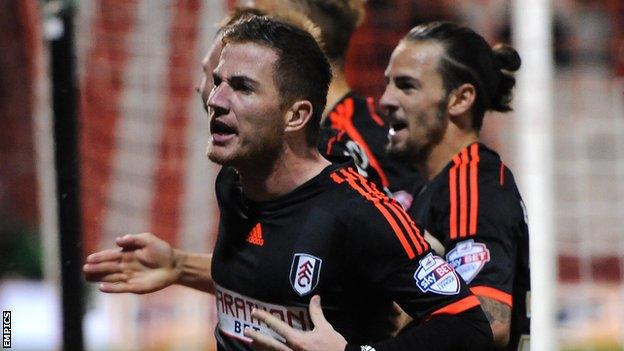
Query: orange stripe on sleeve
x: 399, y: 211
x: 396, y: 209
x: 492, y: 293
x: 453, y: 199
x: 463, y: 194
x: 393, y: 223
x: 474, y: 187
x: 459, y: 306
x: 415, y: 234
x: 420, y: 236
x: 502, y: 174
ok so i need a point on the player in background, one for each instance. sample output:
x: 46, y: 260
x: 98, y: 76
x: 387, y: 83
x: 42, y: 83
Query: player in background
x: 441, y: 80
x: 287, y: 214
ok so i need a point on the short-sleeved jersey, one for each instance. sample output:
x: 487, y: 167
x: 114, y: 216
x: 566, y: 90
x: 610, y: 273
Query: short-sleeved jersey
x: 353, y: 128
x: 474, y: 209
x: 336, y: 236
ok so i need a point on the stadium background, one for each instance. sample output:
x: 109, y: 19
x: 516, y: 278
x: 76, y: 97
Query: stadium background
x: 143, y: 134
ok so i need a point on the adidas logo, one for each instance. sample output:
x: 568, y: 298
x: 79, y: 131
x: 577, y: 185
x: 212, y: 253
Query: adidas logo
x: 255, y: 236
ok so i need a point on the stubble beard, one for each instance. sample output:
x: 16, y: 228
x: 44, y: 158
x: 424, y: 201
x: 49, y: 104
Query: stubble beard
x: 248, y: 156
x: 416, y: 152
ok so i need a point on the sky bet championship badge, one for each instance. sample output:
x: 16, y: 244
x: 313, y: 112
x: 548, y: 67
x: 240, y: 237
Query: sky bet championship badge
x: 468, y: 258
x: 304, y: 273
x: 435, y: 275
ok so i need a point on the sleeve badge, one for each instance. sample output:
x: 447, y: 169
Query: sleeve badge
x: 468, y: 258
x: 436, y: 275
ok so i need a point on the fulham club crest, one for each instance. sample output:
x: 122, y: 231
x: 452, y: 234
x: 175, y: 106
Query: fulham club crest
x: 468, y: 258
x: 304, y: 273
x: 436, y: 275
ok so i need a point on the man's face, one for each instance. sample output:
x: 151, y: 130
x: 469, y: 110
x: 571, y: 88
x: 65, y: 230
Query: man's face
x: 246, y: 121
x: 415, y: 100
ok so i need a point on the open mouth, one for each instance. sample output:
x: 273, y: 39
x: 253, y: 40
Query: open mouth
x: 221, y: 133
x: 397, y: 126
x: 218, y: 127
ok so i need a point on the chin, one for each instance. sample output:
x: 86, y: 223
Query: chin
x: 217, y: 157
x: 399, y: 151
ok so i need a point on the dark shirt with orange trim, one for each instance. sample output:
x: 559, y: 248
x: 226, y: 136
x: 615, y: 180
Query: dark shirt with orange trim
x: 353, y: 128
x: 339, y: 237
x: 475, y: 210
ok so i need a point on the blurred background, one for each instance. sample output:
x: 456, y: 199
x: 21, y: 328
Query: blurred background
x: 142, y: 135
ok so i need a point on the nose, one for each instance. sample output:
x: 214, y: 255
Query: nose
x: 218, y: 99
x: 388, y: 102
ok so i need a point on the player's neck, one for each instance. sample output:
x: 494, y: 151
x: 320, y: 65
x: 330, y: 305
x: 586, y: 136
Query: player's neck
x: 338, y: 88
x: 452, y: 143
x: 289, y: 171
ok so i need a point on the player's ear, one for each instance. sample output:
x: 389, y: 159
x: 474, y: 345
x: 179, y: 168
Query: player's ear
x: 460, y: 101
x: 298, y: 115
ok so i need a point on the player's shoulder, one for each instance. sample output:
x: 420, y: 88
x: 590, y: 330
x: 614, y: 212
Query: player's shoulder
x: 498, y: 195
x: 357, y: 108
x: 476, y: 166
x: 359, y: 199
x: 494, y: 176
x: 364, y: 203
x: 477, y: 181
x: 354, y: 98
x: 353, y: 188
x: 361, y: 102
x: 378, y: 221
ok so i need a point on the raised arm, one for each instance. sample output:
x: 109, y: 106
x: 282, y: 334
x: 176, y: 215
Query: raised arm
x: 144, y: 263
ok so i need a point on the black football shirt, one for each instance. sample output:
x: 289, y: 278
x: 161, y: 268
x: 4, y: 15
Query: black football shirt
x: 336, y: 236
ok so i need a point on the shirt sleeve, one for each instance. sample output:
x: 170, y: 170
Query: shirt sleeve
x: 400, y: 263
x: 468, y: 331
x: 392, y: 256
x: 483, y: 248
x: 389, y: 255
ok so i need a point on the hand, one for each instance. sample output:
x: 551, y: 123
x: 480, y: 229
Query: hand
x: 322, y: 338
x: 142, y: 264
x: 399, y: 318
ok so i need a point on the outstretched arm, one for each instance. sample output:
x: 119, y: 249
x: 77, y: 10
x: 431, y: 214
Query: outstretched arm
x: 195, y: 271
x: 143, y: 263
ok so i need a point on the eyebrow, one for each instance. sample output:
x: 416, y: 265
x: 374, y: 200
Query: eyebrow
x: 403, y: 79
x: 238, y: 80
x: 406, y: 79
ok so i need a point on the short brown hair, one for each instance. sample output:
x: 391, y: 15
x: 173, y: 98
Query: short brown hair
x: 301, y: 70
